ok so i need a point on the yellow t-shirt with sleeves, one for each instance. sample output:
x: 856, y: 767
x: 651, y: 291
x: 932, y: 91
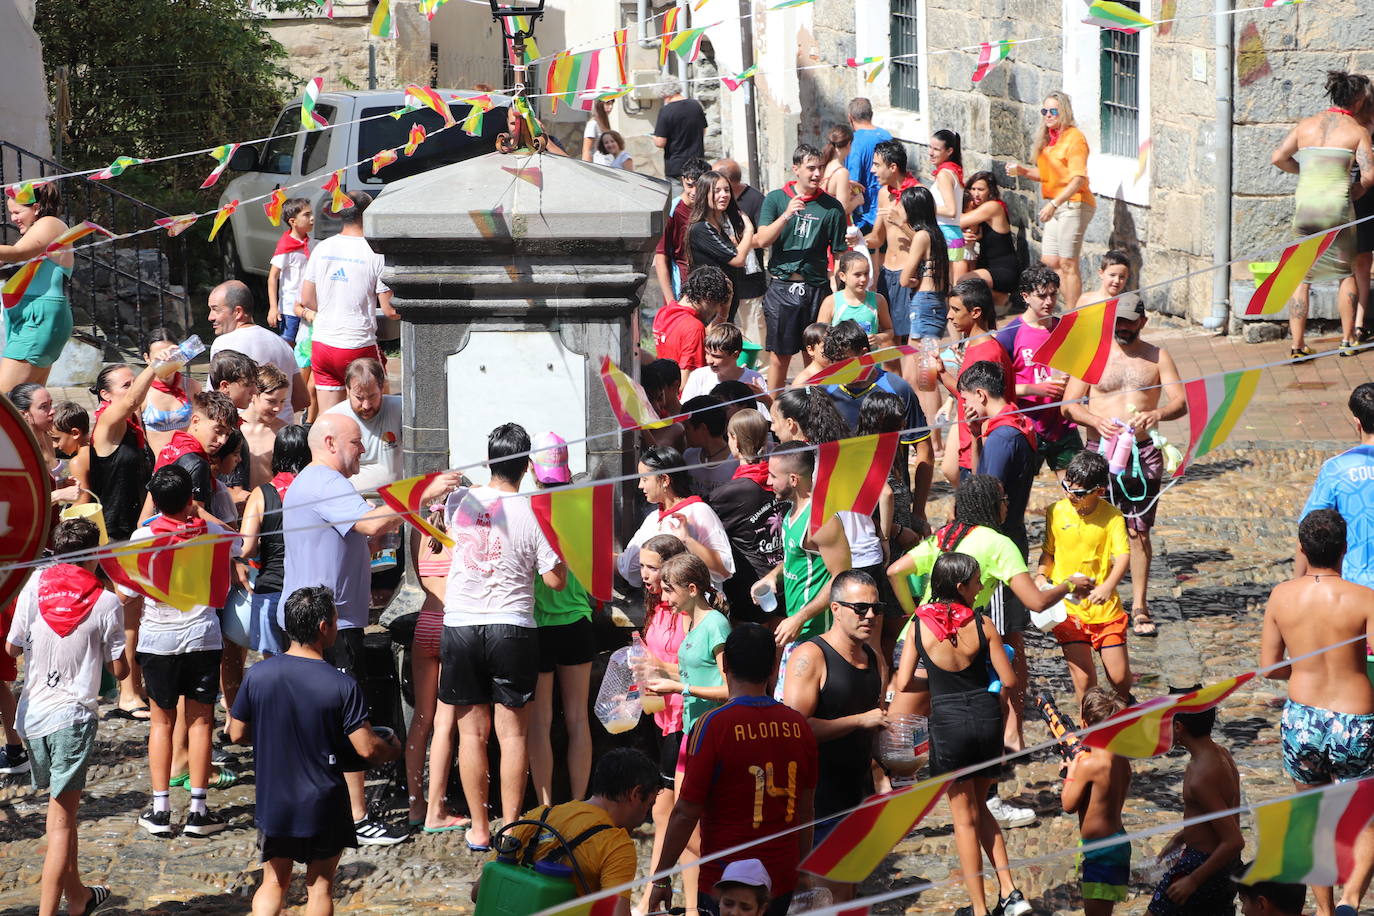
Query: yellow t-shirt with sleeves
x: 1087, y: 545
x: 607, y: 858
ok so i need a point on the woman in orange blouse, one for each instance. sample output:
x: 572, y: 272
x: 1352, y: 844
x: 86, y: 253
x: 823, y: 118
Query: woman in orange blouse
x: 1061, y: 167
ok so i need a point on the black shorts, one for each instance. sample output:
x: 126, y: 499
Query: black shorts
x: 488, y: 663
x: 168, y: 678
x: 566, y: 645
x: 788, y: 307
x: 305, y: 849
x: 668, y: 753
x: 1364, y: 232
x: 1009, y: 615
x: 348, y: 655
x: 887, y: 598
x: 965, y: 729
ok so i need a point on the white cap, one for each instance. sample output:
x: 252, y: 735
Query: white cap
x: 1130, y: 307
x: 748, y: 872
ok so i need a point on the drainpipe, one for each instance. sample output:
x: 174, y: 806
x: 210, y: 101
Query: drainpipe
x: 642, y: 17
x: 1221, y: 246
x: 751, y: 121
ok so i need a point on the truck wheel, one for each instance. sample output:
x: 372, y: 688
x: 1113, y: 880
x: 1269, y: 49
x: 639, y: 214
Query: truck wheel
x: 229, y: 255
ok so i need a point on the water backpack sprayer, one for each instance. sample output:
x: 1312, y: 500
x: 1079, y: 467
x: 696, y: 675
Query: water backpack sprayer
x: 515, y: 884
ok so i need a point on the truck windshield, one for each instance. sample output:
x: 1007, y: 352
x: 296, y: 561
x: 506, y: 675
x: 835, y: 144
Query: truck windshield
x: 439, y: 149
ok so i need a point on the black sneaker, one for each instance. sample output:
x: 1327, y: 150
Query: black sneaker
x: 372, y: 832
x: 207, y: 824
x: 1014, y: 904
x: 14, y: 760
x: 156, y: 823
x: 222, y: 758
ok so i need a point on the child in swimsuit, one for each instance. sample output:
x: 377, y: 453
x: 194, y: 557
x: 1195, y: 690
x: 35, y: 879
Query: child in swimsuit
x: 853, y: 301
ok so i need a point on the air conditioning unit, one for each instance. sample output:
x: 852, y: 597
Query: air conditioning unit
x: 646, y: 83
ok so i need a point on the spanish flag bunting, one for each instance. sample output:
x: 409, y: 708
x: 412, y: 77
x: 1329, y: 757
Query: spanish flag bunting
x: 221, y: 155
x: 23, y: 193
x: 274, y: 205
x: 1108, y: 14
x: 859, y: 842
x: 850, y: 475
x: 1215, y: 404
x: 1081, y: 342
x: 847, y: 371
x: 1146, y: 729
x: 622, y: 38
x: 417, y: 136
x: 579, y: 524
x: 1309, y: 838
x: 382, y: 25
x: 383, y: 158
x: 669, y: 29
x: 79, y: 231
x: 629, y: 403
x: 176, y: 225
x: 404, y: 497
x: 224, y: 213
x: 310, y: 119
x: 116, y: 168
x: 338, y: 200
x: 428, y: 98
x: 12, y: 293
x: 1273, y: 294
x: 733, y: 83
x: 989, y: 56
x: 182, y: 571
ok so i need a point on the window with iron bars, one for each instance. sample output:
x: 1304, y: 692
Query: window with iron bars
x: 903, y: 72
x: 1120, y: 106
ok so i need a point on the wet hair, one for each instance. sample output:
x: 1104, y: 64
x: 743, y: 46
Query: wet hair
x: 724, y: 337
x: 306, y: 609
x: 749, y: 653
x: 706, y: 410
x: 1347, y: 90
x: 1042, y: 133
x: 689, y: 569
x: 701, y: 204
x: 1115, y: 258
x: 975, y: 293
x: 75, y: 534
x: 1196, y: 724
x: 707, y: 285
x: 658, y: 374
x: 1287, y: 899
x: 994, y: 189
x: 950, y: 571
x: 796, y: 457
x: 666, y: 546
x: 984, y: 375
x: 813, y: 335
x: 353, y: 216
x: 216, y: 408
x: 1361, y: 406
x: 812, y: 410
x: 232, y: 443
x: 270, y: 379
x: 363, y: 368
x: 1100, y: 704
x: 68, y: 416
x: 614, y: 135
x: 844, y: 262
x: 840, y: 135
x: 881, y: 412
x: 803, y: 152
x: 102, y: 379
x: 951, y: 139
x: 844, y: 340
x: 732, y: 394
x: 851, y: 579
x: 1322, y: 536
x: 1036, y: 277
x: 618, y: 773
x: 21, y: 395
x: 1087, y: 469
x: 860, y: 109
x: 750, y: 430
x: 291, y: 451
x: 508, y: 447
x: 893, y: 152
x: 294, y: 207
x: 667, y: 462
x: 232, y: 366
x: 694, y: 169
x: 170, y: 488
x: 919, y: 205
x: 159, y: 335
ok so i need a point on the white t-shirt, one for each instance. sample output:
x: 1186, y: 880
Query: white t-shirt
x: 865, y: 548
x: 705, y: 480
x: 262, y: 346
x: 166, y: 630
x: 292, y: 267
x: 381, y: 459
x: 500, y: 549
x: 702, y: 524
x: 62, y: 682
x: 703, y: 381
x: 347, y: 275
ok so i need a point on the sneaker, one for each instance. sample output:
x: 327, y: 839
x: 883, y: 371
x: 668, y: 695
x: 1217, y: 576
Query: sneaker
x: 372, y: 832
x: 14, y: 760
x: 156, y: 823
x: 207, y: 824
x: 222, y: 758
x: 1349, y: 348
x: 1014, y: 904
x: 1009, y: 815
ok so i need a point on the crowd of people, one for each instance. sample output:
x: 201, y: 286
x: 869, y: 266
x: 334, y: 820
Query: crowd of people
x: 776, y: 646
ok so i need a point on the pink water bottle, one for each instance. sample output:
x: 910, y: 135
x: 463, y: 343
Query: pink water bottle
x: 1121, y: 451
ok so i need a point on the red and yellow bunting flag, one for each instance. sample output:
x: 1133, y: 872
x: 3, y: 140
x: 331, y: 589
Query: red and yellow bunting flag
x: 850, y: 475
x: 1081, y: 342
x: 669, y: 28
x: 417, y: 136
x: 1146, y: 729
x: 579, y: 524
x: 622, y: 38
x: 176, y: 225
x: 75, y: 233
x: 224, y: 213
x: 847, y: 371
x: 116, y: 168
x: 183, y: 573
x: 383, y: 158
x: 274, y: 206
x: 221, y: 155
x: 404, y: 497
x: 629, y: 403
x: 310, y: 119
x: 338, y: 200
x: 427, y: 97
x: 12, y: 293
x: 602, y: 906
x: 23, y: 193
x: 859, y: 842
x: 1273, y: 294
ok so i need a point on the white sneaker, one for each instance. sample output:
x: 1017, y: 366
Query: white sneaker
x: 1009, y: 815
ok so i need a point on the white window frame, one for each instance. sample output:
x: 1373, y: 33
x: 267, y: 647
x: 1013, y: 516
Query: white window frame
x: 872, y: 26
x: 1110, y: 176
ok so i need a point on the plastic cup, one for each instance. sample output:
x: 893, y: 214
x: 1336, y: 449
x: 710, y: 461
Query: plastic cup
x: 764, y: 597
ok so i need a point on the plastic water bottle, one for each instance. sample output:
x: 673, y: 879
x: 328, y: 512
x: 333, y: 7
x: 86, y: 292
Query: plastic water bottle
x: 927, y: 364
x: 642, y: 667
x: 175, y: 359
x: 1121, y: 450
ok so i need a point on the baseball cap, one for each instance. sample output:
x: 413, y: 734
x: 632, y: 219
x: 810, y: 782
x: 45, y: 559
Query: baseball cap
x: 549, y: 453
x: 1129, y: 307
x: 747, y: 872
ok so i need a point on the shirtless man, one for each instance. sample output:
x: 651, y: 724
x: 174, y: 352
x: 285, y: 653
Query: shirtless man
x: 890, y: 229
x: 1113, y: 274
x: 1199, y: 883
x: 1137, y: 378
x: 260, y: 423
x: 1328, y: 721
x: 1095, y: 789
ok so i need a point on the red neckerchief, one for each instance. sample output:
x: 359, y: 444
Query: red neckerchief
x: 908, y: 182
x: 183, y: 443
x: 178, y: 530
x: 1334, y: 110
x: 757, y: 472
x: 945, y: 619
x: 66, y: 595
x: 790, y: 189
x: 172, y: 386
x: 1053, y: 136
x: 664, y: 513
x: 134, y: 421
x: 958, y: 170
x: 281, y: 480
x: 1017, y: 421
x: 289, y: 243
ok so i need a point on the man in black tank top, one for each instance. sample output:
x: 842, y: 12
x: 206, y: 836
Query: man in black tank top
x: 836, y: 681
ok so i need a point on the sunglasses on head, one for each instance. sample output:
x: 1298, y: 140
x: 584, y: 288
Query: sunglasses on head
x: 1050, y: 111
x: 862, y: 608
x: 1076, y: 492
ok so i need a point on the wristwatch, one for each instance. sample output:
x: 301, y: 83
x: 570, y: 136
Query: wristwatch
x: 686, y: 690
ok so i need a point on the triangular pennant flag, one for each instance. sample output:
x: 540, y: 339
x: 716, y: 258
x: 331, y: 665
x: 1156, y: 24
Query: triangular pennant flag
x: 382, y: 26
x: 990, y: 56
x: 669, y: 28
x: 851, y: 370
x: 383, y: 158
x: 427, y: 97
x: 1146, y: 729
x: 310, y: 120
x: 80, y: 231
x: 480, y: 105
x: 12, y: 293
x: 607, y: 95
x: 1273, y: 294
x: 1215, y: 404
x: 1108, y: 14
x: 116, y: 168
x: 860, y: 841
x: 404, y: 497
x: 571, y: 74
x: 876, y: 65
x: 734, y: 83
x: 1310, y: 838
x: 522, y: 107
x: 579, y: 524
x: 184, y: 574
x: 327, y: 6
x: 223, y: 214
x: 687, y: 44
x: 1081, y: 342
x: 417, y: 136
x: 531, y: 173
x: 274, y: 205
x: 176, y: 225
x: 338, y: 200
x: 1142, y: 159
x: 23, y: 193
x: 221, y: 155
x: 629, y: 403
x: 850, y: 475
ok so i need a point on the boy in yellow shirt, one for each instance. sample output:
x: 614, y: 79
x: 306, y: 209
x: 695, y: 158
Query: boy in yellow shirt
x: 1086, y: 534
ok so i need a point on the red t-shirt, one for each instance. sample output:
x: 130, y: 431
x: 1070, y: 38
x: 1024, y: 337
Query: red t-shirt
x: 748, y: 764
x: 985, y: 348
x: 673, y: 242
x: 680, y: 336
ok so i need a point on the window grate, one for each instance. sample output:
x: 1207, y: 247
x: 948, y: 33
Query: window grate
x: 1120, y: 108
x: 903, y: 73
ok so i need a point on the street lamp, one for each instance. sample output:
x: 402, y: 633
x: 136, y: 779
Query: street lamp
x: 517, y: 30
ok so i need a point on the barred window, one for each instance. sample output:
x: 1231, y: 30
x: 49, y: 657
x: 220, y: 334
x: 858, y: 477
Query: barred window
x: 903, y: 73
x: 1120, y: 106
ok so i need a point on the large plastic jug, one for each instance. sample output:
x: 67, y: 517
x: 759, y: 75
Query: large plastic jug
x: 642, y: 667
x: 617, y: 703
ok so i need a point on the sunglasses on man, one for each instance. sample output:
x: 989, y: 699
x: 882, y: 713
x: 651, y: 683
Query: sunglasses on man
x: 862, y: 608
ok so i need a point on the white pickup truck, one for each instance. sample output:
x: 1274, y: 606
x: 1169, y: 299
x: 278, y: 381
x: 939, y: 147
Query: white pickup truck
x: 292, y: 156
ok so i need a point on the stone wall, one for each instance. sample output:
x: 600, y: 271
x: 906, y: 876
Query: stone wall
x: 337, y: 49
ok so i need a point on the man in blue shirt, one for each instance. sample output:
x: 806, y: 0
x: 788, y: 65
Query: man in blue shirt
x: 860, y: 161
x: 1346, y: 484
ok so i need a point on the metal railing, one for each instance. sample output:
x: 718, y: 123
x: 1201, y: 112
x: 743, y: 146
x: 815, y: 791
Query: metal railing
x: 120, y: 299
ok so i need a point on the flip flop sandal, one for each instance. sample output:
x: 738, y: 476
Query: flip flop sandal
x: 461, y: 823
x: 99, y: 897
x: 132, y: 715
x: 1144, y: 625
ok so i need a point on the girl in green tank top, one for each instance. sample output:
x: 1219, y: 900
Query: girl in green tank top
x: 853, y: 301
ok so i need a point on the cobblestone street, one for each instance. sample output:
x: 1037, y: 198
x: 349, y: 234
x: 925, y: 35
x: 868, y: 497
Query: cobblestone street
x: 1226, y: 535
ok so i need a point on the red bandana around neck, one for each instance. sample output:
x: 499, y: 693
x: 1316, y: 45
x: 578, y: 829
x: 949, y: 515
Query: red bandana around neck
x: 1018, y: 421
x: 66, y: 595
x: 945, y: 620
x: 757, y: 472
x: 183, y: 443
x: 281, y: 480
x: 908, y: 182
x: 289, y: 243
x: 178, y: 530
x: 171, y: 386
x: 790, y: 189
x: 664, y: 513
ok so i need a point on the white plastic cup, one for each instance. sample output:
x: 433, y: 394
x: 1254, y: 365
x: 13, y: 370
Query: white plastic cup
x: 764, y: 597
